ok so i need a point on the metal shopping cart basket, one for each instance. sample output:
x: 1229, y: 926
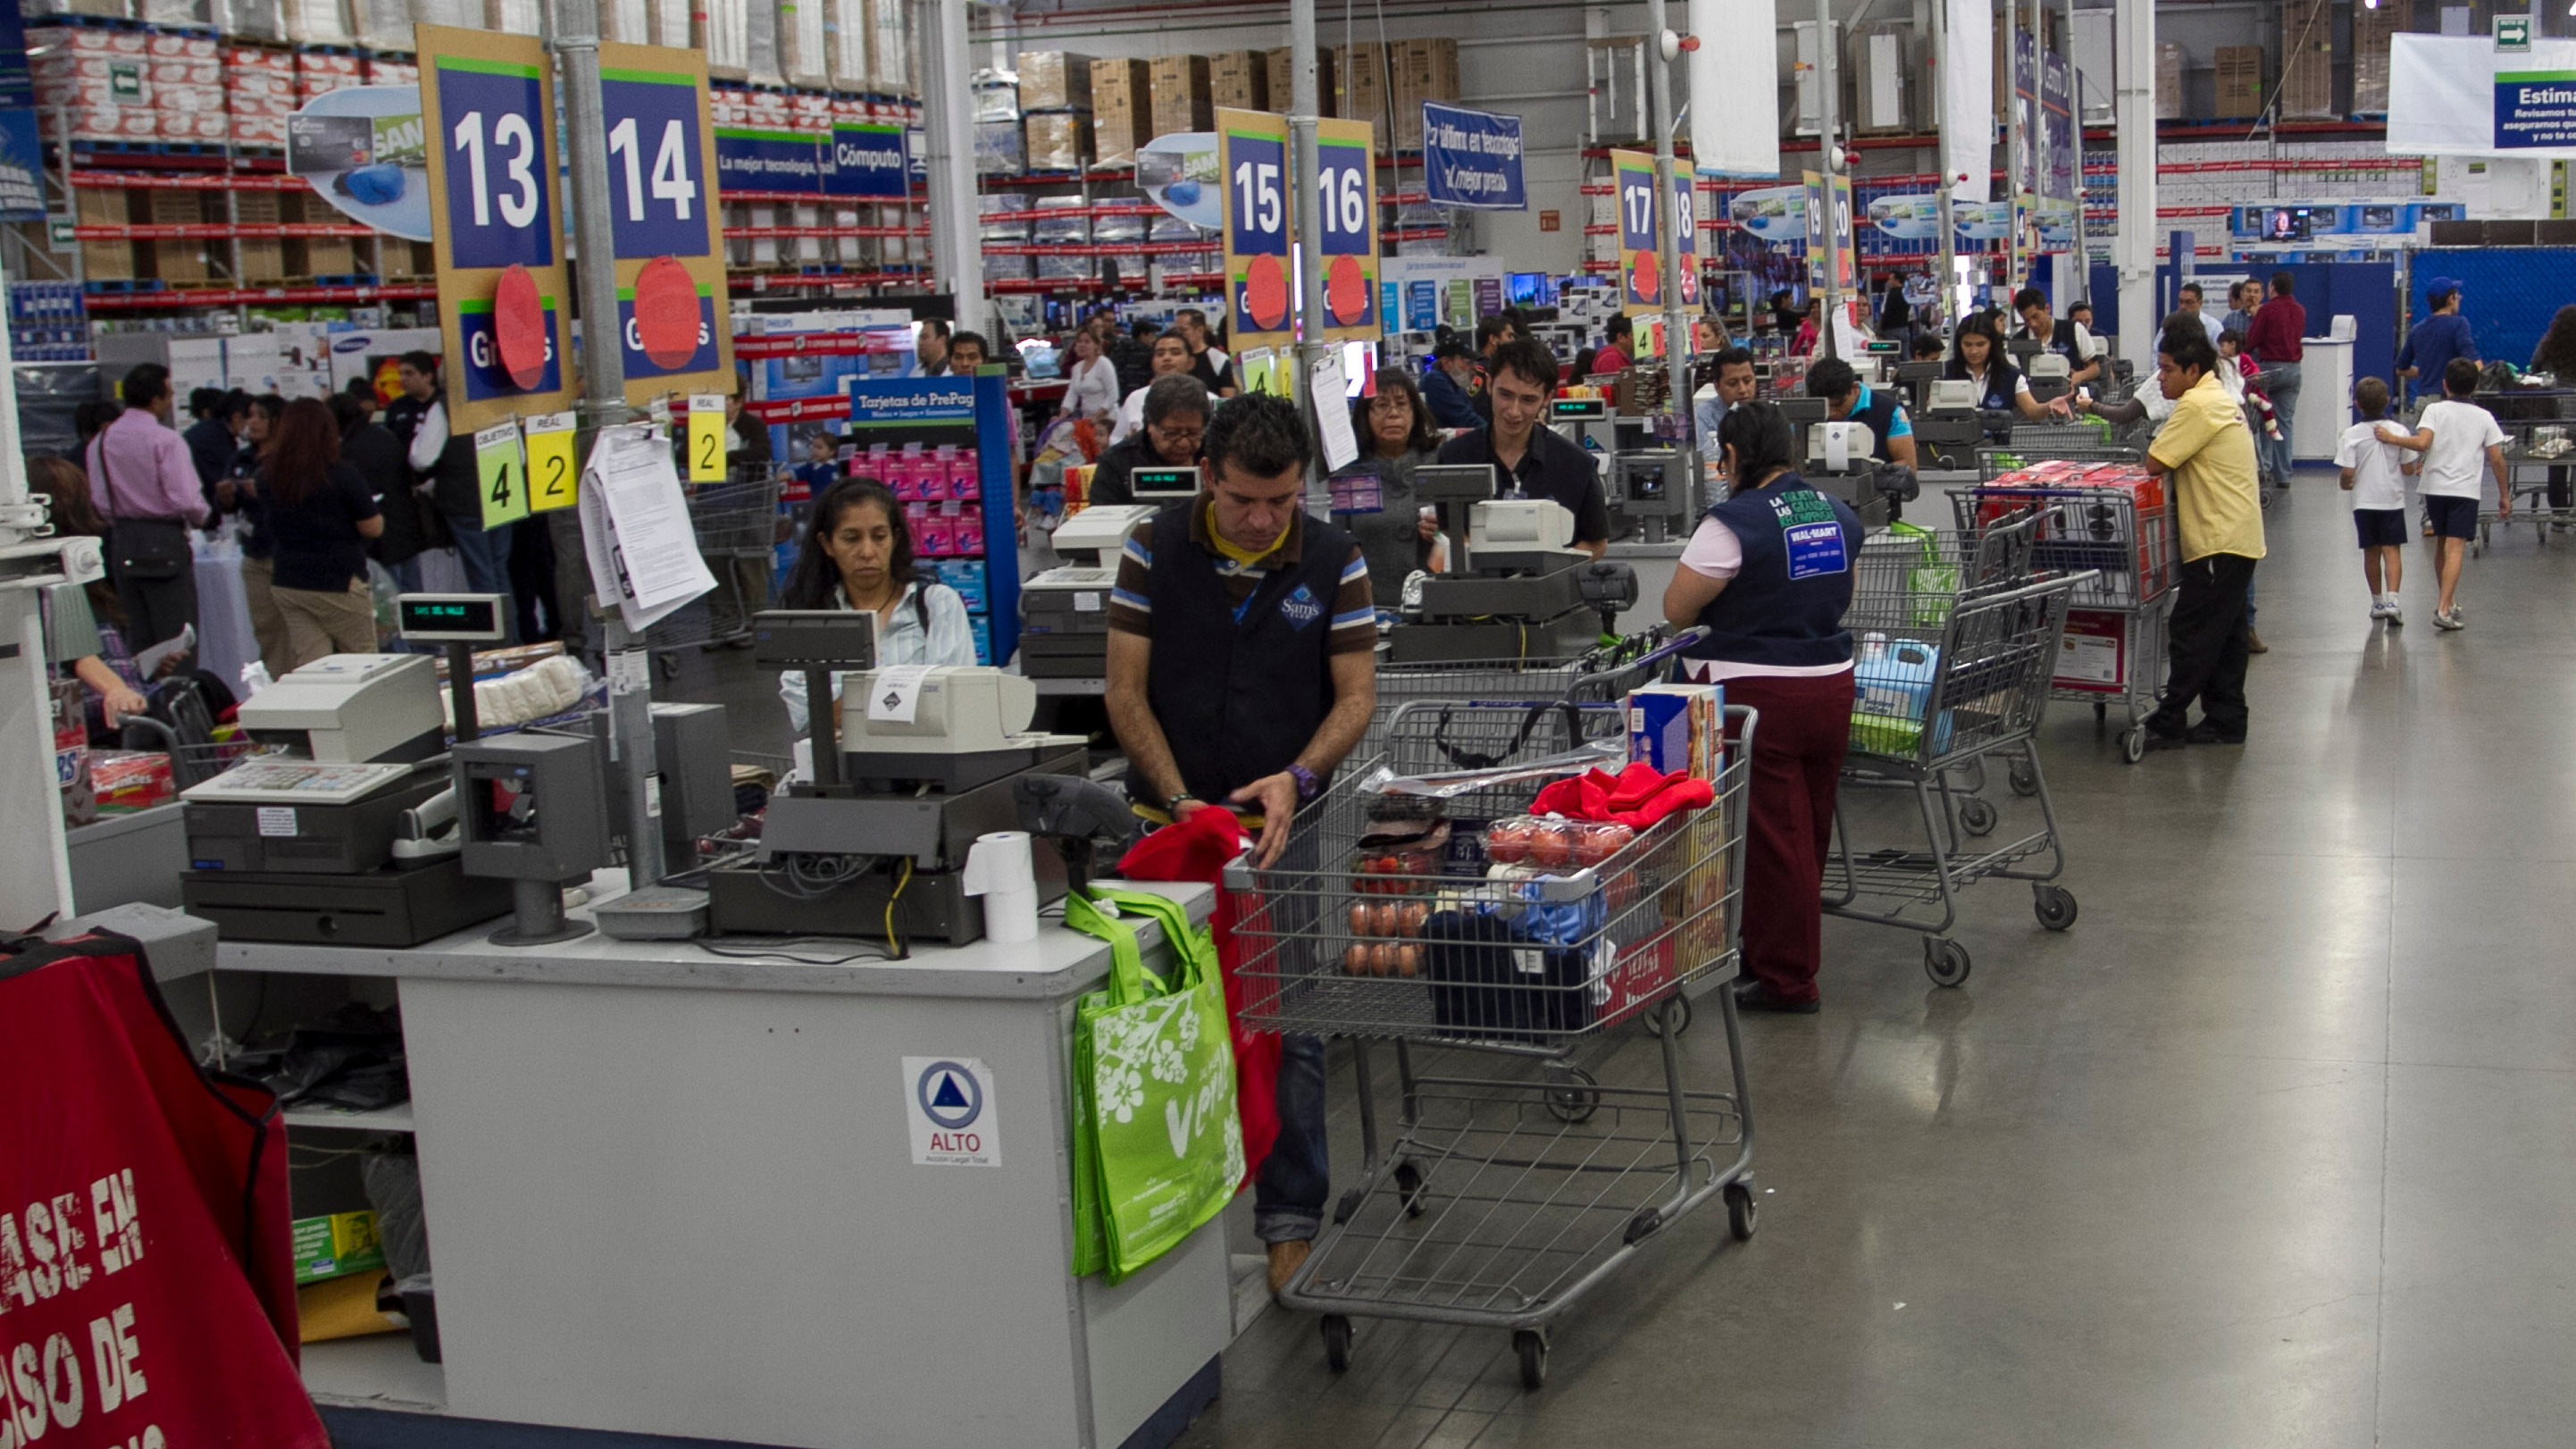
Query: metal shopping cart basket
x: 738, y: 528
x: 1598, y: 676
x: 2113, y: 651
x: 1949, y: 673
x: 1503, y: 1196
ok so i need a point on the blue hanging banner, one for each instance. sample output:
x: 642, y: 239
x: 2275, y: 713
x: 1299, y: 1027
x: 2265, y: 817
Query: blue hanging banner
x: 756, y: 159
x: 867, y: 159
x: 1472, y: 159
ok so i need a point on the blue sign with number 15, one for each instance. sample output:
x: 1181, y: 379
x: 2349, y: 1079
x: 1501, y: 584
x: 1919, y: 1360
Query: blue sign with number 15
x: 498, y: 183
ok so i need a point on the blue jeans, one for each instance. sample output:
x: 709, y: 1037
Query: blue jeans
x: 2280, y: 383
x: 1288, y: 1194
x: 485, y: 553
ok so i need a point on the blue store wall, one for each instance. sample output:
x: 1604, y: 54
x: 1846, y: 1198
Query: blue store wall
x: 2507, y: 293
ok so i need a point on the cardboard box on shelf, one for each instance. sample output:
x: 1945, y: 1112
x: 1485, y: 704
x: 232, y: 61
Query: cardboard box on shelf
x: 2371, y: 30
x: 1420, y: 70
x: 1058, y: 141
x: 2307, y: 60
x: 2240, y: 82
x: 1363, y: 91
x: 1283, y: 84
x: 335, y: 1246
x: 1182, y: 101
x: 1054, y: 80
x: 1000, y: 150
x: 1121, y: 110
x: 2168, y: 82
x: 1240, y: 79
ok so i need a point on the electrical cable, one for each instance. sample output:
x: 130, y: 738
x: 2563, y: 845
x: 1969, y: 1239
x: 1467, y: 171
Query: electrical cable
x: 894, y: 950
x: 781, y: 952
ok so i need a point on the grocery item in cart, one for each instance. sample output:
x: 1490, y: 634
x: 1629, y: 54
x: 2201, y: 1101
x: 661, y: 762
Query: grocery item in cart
x: 1678, y: 728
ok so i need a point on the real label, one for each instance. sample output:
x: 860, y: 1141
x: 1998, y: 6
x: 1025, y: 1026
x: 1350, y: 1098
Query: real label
x: 553, y: 481
x: 949, y: 1104
x: 502, y: 472
x: 277, y: 821
x: 706, y: 439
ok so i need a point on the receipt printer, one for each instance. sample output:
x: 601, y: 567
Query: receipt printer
x: 349, y: 708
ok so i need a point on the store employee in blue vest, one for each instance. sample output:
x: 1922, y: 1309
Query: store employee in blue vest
x: 1241, y: 670
x: 1848, y: 399
x: 1769, y: 574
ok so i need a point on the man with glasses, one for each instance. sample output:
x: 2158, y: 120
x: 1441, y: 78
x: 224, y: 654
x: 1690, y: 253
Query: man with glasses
x: 1175, y: 411
x: 1241, y: 670
x: 1530, y: 460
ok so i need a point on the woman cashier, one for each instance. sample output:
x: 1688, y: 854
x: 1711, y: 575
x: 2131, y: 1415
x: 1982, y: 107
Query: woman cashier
x: 1769, y: 574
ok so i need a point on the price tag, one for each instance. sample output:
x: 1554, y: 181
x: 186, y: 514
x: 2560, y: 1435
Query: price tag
x: 502, y: 470
x: 553, y: 481
x: 706, y: 438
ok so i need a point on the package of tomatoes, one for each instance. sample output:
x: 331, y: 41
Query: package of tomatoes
x: 1552, y: 843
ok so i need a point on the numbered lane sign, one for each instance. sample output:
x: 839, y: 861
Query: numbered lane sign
x: 499, y: 199
x: 663, y: 205
x: 501, y: 469
x: 553, y: 481
x: 1252, y: 152
x: 706, y: 439
x: 1641, y: 267
x: 1346, y: 193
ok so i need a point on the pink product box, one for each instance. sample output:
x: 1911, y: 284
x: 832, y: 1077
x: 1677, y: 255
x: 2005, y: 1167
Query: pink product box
x: 83, y: 93
x: 964, y: 479
x: 938, y: 537
x: 187, y: 72
x: 392, y: 73
x: 248, y: 57
x: 179, y: 43
x: 317, y: 63
x: 74, y: 40
x: 259, y: 130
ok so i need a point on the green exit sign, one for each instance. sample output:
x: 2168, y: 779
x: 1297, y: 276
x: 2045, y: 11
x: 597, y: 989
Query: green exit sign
x: 2513, y: 32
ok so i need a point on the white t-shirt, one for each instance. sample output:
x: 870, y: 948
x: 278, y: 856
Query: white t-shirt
x: 2376, y: 481
x: 2462, y: 433
x: 1131, y: 415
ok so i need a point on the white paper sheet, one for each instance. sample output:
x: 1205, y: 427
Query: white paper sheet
x: 635, y: 528
x: 895, y: 695
x: 1333, y: 413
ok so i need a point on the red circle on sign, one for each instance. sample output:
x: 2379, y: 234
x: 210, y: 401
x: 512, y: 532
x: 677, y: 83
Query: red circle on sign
x: 519, y: 328
x: 666, y: 312
x: 1345, y: 291
x: 1646, y: 277
x: 1265, y: 293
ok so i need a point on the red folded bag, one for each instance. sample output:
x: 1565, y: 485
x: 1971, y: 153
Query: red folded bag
x: 1637, y: 797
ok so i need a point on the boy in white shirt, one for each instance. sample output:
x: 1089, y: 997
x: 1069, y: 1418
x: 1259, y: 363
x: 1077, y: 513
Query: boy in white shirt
x: 2371, y: 474
x: 2452, y: 434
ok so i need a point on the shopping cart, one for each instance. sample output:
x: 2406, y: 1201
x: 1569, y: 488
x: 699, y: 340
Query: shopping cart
x: 1995, y: 460
x: 1502, y: 1199
x: 1950, y: 673
x: 738, y: 529
x: 1597, y: 676
x: 2122, y: 547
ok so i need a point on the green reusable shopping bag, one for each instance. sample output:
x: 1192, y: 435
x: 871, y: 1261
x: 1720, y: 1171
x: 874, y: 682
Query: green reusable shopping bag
x: 1157, y: 1146
x: 1931, y: 584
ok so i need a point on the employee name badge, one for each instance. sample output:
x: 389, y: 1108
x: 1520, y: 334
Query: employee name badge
x: 1811, y: 534
x: 502, y: 470
x: 553, y: 481
x: 706, y: 438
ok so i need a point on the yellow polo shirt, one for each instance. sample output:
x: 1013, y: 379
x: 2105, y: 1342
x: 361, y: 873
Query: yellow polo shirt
x: 2218, y: 503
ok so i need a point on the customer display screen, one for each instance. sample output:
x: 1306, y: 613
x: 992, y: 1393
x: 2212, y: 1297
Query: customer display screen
x: 1163, y: 485
x: 473, y: 618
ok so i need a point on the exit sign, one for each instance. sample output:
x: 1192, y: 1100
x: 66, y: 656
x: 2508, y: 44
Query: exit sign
x: 2513, y: 32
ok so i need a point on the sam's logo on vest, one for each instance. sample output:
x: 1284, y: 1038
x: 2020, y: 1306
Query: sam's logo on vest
x: 1301, y: 607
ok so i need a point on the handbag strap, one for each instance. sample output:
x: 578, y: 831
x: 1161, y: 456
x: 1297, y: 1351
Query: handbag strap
x: 1193, y: 946
x: 1127, y: 976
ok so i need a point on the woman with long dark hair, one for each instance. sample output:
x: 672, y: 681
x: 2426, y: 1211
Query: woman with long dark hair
x: 320, y: 515
x: 1978, y: 356
x: 1396, y: 437
x: 240, y: 494
x: 856, y: 553
x: 2556, y: 355
x: 1769, y: 574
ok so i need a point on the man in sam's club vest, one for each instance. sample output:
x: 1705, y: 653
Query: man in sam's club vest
x: 1241, y: 669
x: 1769, y: 574
x: 445, y: 462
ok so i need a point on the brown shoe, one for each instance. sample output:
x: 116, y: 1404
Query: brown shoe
x: 1285, y: 1259
x: 2254, y: 643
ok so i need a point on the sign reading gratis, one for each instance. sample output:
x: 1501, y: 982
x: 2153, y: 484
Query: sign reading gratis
x: 1472, y: 159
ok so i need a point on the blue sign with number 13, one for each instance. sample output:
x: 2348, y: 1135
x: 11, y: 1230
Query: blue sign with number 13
x: 497, y: 177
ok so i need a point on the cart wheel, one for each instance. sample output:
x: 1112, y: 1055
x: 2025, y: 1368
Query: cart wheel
x: 2054, y: 905
x: 1337, y: 1342
x: 1946, y: 962
x: 1408, y: 1188
x: 1673, y: 1016
x: 1976, y: 816
x: 1574, y: 1097
x: 1742, y: 1211
x: 2025, y: 780
x: 2133, y: 744
x: 1531, y: 1345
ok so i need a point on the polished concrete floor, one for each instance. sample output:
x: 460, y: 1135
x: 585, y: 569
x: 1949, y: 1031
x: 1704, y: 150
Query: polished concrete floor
x: 2271, y: 1148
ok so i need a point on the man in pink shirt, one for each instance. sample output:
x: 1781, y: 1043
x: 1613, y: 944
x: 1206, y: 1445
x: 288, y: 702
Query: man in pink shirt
x: 146, y: 487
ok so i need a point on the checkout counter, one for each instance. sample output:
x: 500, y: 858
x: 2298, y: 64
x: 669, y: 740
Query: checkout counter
x: 671, y: 1140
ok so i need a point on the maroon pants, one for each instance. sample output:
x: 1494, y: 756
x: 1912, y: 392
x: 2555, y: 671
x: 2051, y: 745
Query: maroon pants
x: 1798, y: 744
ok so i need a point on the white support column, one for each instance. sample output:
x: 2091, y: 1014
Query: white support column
x: 956, y: 250
x: 2133, y: 251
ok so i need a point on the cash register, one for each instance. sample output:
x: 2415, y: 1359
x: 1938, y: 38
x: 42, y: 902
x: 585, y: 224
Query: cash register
x: 925, y: 759
x: 344, y: 838
x: 1064, y: 612
x: 1516, y: 586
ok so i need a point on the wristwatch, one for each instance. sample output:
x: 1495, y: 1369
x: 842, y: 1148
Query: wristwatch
x: 1307, y: 784
x: 1172, y: 805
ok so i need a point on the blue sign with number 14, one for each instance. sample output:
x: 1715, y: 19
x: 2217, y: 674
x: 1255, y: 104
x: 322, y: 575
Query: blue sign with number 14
x: 656, y: 198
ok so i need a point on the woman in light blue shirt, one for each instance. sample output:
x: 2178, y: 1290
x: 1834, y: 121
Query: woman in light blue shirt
x: 857, y: 554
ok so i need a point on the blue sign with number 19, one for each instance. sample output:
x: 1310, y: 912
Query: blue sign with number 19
x: 498, y: 182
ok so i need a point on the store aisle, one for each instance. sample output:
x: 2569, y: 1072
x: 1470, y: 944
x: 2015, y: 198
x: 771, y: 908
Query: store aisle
x: 2270, y: 1149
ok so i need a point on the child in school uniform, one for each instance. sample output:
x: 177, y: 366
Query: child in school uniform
x: 2371, y: 474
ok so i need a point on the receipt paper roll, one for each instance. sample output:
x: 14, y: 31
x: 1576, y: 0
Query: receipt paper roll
x: 999, y: 870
